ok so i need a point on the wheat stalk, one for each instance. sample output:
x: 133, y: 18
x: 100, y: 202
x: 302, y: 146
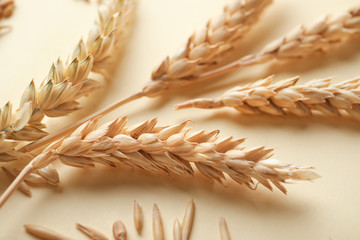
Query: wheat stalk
x: 166, y: 149
x: 284, y: 97
x: 65, y: 83
x: 301, y: 42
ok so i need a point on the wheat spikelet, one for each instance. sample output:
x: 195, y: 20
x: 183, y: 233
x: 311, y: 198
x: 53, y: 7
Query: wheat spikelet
x: 207, y: 46
x: 65, y: 83
x: 166, y: 149
x: 302, y: 41
x: 284, y: 97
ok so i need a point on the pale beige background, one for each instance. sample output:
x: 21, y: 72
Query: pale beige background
x: 328, y: 208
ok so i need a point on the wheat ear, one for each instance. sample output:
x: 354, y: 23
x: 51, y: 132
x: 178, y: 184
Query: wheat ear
x: 206, y: 47
x: 286, y: 97
x: 167, y: 149
x: 302, y: 41
x: 65, y: 83
x: 203, y: 49
x: 6, y: 8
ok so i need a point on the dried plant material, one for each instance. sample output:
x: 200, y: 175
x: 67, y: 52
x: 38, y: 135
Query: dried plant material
x: 119, y: 230
x: 138, y: 217
x: 65, y: 83
x: 188, y: 220
x: 23, y: 187
x: 44, y: 233
x: 285, y: 97
x: 320, y: 36
x: 224, y: 231
x: 177, y: 232
x: 158, y: 229
x: 166, y: 149
x: 206, y: 47
x: 91, y: 232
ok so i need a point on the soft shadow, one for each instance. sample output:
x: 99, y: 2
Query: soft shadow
x: 102, y: 179
x: 289, y: 121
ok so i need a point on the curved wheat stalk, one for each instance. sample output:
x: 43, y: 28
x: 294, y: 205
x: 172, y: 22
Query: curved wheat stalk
x: 166, y: 149
x: 65, y: 83
x: 286, y: 97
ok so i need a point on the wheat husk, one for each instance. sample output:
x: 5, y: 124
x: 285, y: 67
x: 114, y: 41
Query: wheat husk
x: 206, y: 47
x: 65, y: 83
x: 287, y: 97
x: 158, y: 230
x: 138, y: 217
x: 119, y: 230
x: 44, y: 233
x: 92, y: 233
x: 224, y: 231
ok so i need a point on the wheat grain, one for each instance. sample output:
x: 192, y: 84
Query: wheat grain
x: 44, y: 233
x: 158, y: 229
x: 188, y: 220
x: 138, y: 217
x: 206, y: 47
x: 177, y: 232
x: 91, y: 232
x: 320, y: 36
x: 284, y: 97
x: 167, y: 149
x: 224, y: 231
x: 6, y: 8
x: 119, y: 230
x: 65, y: 83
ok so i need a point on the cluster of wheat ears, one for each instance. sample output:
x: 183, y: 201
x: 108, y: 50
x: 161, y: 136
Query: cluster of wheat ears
x: 173, y: 149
